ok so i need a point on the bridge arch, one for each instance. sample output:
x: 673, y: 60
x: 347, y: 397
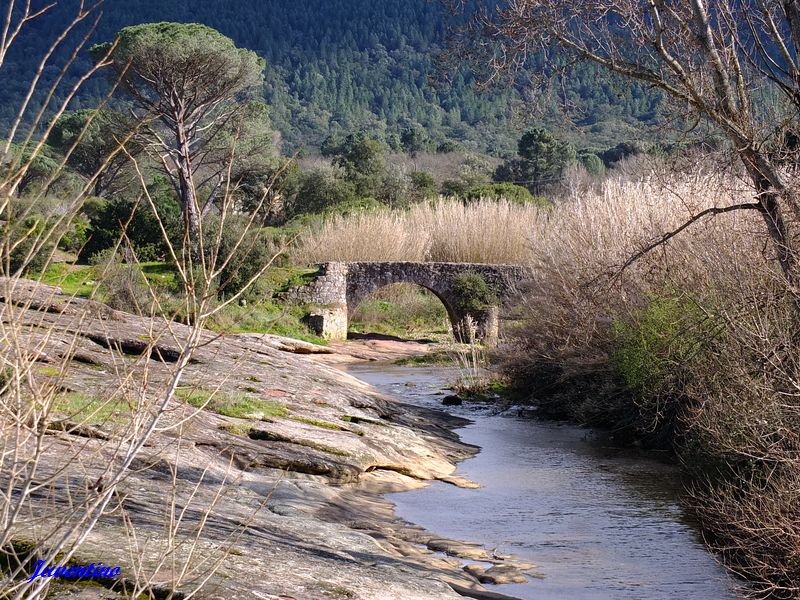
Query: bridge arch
x: 341, y: 286
x: 365, y: 294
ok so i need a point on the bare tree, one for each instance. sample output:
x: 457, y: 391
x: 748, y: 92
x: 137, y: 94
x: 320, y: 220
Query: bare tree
x: 716, y: 58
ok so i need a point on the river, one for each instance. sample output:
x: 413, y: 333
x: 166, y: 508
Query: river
x: 601, y: 522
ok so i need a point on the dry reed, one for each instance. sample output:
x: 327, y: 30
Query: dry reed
x: 731, y: 408
x: 485, y: 231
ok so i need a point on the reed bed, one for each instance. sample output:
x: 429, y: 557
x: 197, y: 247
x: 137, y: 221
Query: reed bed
x: 485, y: 231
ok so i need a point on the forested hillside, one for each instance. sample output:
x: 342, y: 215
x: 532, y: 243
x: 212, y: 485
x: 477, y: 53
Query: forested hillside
x: 335, y: 66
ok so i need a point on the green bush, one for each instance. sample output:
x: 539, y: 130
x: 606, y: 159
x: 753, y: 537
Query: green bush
x: 319, y: 190
x: 473, y: 293
x: 353, y: 206
x: 143, y: 231
x: 511, y: 192
x: 23, y: 237
x: 246, y: 260
x: 651, y: 352
x: 76, y: 236
x: 423, y: 185
x: 592, y: 163
x: 454, y: 187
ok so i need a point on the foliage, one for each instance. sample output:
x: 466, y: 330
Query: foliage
x: 265, y: 317
x: 76, y: 235
x: 241, y: 253
x: 320, y: 189
x: 473, y: 292
x: 423, y: 186
x: 190, y: 84
x: 268, y: 186
x: 344, y: 65
x: 415, y: 139
x: 355, y: 206
x: 619, y: 152
x: 542, y: 159
x: 90, y: 139
x: 33, y: 171
x: 361, y: 158
x: 23, y: 237
x: 593, y: 164
x: 516, y: 194
x: 140, y: 224
x: 652, y: 351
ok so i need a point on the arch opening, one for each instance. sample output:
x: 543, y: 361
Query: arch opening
x: 404, y: 310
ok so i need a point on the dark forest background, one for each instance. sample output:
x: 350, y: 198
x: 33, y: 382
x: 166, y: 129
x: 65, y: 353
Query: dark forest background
x: 338, y: 66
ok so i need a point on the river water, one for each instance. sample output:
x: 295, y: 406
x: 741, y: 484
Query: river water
x: 600, y: 522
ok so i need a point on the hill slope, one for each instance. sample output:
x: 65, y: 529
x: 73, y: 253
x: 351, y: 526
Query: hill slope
x: 342, y: 65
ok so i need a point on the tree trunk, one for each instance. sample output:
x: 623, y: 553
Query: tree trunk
x: 100, y: 186
x: 188, y: 199
x: 191, y: 216
x: 778, y: 212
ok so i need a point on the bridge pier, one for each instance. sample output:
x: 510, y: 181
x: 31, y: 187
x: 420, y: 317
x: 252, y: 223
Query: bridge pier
x: 478, y: 326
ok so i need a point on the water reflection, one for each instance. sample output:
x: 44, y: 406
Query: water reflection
x: 601, y: 522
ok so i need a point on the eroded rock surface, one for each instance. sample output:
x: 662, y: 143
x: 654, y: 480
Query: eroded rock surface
x: 285, y: 500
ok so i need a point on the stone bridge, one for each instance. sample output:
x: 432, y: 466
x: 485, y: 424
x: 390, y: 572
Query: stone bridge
x: 339, y: 287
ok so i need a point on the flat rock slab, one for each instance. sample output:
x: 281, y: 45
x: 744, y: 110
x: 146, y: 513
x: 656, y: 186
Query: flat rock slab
x: 282, y: 498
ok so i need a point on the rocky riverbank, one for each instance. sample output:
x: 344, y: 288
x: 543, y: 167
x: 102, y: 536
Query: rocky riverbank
x: 284, y: 503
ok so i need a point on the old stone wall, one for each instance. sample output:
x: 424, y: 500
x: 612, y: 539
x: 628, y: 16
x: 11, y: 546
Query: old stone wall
x: 340, y: 287
x: 329, y: 288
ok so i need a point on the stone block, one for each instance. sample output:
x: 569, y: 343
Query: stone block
x: 329, y: 323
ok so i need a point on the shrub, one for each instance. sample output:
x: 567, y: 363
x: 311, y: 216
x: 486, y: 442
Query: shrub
x: 76, y: 236
x: 241, y: 263
x: 592, y: 163
x: 516, y: 194
x: 652, y: 349
x: 124, y: 287
x: 454, y: 187
x: 107, y: 219
x: 448, y: 147
x: 354, y: 206
x: 473, y: 292
x: 423, y: 185
x: 31, y: 251
x: 320, y: 189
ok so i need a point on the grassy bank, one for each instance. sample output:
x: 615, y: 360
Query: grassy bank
x: 152, y: 287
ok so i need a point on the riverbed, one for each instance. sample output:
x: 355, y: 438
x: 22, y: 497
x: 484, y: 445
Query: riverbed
x: 599, y: 521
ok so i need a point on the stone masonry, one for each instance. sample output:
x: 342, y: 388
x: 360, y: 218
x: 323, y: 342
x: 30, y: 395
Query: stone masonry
x: 341, y: 286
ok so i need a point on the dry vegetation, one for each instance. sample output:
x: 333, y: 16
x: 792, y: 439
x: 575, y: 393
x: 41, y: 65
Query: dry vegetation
x: 485, y: 231
x: 692, y: 346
